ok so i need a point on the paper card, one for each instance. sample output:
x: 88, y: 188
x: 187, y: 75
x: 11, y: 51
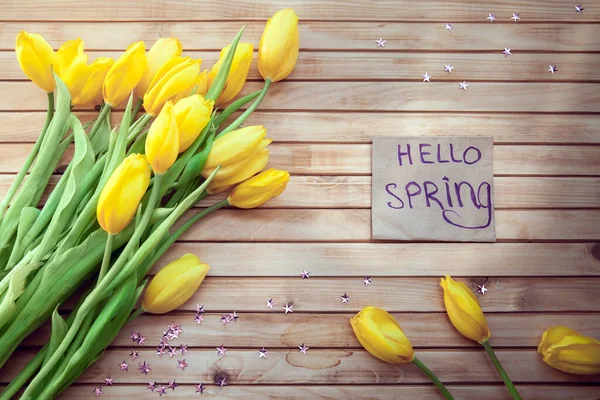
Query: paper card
x: 433, y: 188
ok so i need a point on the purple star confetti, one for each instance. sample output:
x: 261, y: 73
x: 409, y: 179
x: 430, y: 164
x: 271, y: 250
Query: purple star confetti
x: 482, y: 289
x: 160, y: 350
x: 303, y: 348
x: 288, y: 308
x: 198, y: 318
x: 124, y: 366
x: 221, y: 351
x: 134, y: 336
x: 226, y: 318
x: 367, y: 281
x: 448, y: 27
x: 426, y: 77
x: 97, y: 391
x: 172, y: 384
x: 199, y: 309
x: 305, y: 274
x: 134, y: 354
x: 108, y: 381
x: 172, y: 351
x: 448, y: 68
x: 515, y: 17
x: 506, y: 52
x: 579, y: 9
x: 182, y: 364
x: 380, y: 42
x: 141, y: 340
x: 183, y: 349
x: 262, y: 353
x: 270, y: 303
x: 222, y: 382
x: 200, y: 388
x: 552, y: 69
x: 463, y: 85
x: 161, y: 390
x: 345, y: 298
x: 491, y: 17
x: 144, y: 368
x: 234, y: 316
x: 151, y: 386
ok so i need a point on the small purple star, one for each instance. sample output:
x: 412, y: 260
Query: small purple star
x: 426, y: 77
x: 144, y: 368
x: 108, y: 381
x: 161, y: 390
x: 183, y: 349
x: 553, y: 69
x: 270, y: 303
x: 345, y: 298
x: 151, y: 386
x: 482, y: 289
x: 199, y: 318
x: 515, y: 17
x: 288, y: 308
x: 226, y: 318
x: 262, y: 353
x: 579, y: 9
x: 303, y: 349
x: 124, y: 366
x: 305, y: 275
x: 199, y: 309
x: 448, y: 68
x: 367, y: 280
x: 172, y: 384
x: 172, y: 351
x: 491, y: 17
x: 200, y: 388
x: 506, y: 52
x: 181, y: 364
x: 463, y: 85
x: 134, y: 354
x: 222, y: 382
x: 141, y: 340
x: 380, y: 42
x: 134, y: 336
x: 97, y: 391
x: 234, y: 316
x: 221, y: 351
x: 448, y: 27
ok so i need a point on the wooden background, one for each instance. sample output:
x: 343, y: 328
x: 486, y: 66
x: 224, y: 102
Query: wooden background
x: 544, y: 270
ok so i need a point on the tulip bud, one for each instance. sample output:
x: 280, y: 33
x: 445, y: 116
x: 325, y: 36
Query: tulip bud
x: 252, y: 167
x: 162, y: 142
x: 125, y: 74
x: 567, y: 350
x: 380, y: 334
x: 66, y: 54
x: 192, y: 114
x: 36, y: 59
x: 238, y: 72
x: 161, y: 51
x: 175, y: 77
x: 464, y: 311
x: 200, y: 87
x: 122, y: 193
x: 91, y: 92
x: 174, y: 284
x: 279, y: 46
x: 76, y: 74
x: 259, y: 189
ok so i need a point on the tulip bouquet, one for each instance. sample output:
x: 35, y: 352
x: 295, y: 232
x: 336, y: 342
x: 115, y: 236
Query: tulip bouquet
x: 111, y: 215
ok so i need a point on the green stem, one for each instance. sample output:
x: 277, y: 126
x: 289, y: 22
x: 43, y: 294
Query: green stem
x: 137, y: 108
x: 249, y: 110
x: 17, y: 383
x: 509, y: 385
x: 419, y: 364
x: 233, y: 107
x: 103, y: 113
x: 106, y: 259
x: 30, y: 158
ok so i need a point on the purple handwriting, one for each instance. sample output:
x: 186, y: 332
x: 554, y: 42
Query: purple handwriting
x: 443, y: 154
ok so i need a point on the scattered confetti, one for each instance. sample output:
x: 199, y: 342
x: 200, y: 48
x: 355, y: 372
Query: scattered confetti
x: 151, y: 386
x: 172, y: 384
x: 552, y: 68
x: 463, y: 85
x: 448, y: 68
x: 198, y: 318
x: 305, y: 275
x: 579, y: 9
x: 482, y: 289
x: 172, y: 351
x: 506, y: 52
x: 124, y: 366
x: 199, y: 309
x: 161, y: 390
x: 515, y: 17
x: 97, y: 391
x: 491, y: 17
x: 108, y: 381
x: 134, y: 336
x: 222, y: 382
x: 160, y: 350
x: 262, y: 353
x: 234, y: 316
x: 448, y: 27
x: 380, y: 42
x: 345, y: 298
x: 303, y: 348
x: 288, y: 308
x: 141, y: 340
x: 426, y: 77
x: 221, y: 351
x: 182, y: 364
x: 183, y: 349
x: 270, y: 303
x: 225, y: 319
x: 144, y: 368
x: 367, y: 280
x: 200, y: 388
x: 134, y: 354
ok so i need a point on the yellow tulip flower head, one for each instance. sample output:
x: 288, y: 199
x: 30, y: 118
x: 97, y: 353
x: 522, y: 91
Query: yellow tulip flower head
x: 162, y: 142
x: 238, y: 72
x: 380, y: 334
x: 252, y: 167
x: 161, y: 51
x: 125, y: 74
x: 36, y: 59
x: 192, y: 114
x: 200, y: 87
x: 121, y: 196
x: 259, y: 189
x: 567, y: 350
x: 76, y: 75
x: 174, y: 284
x: 279, y: 46
x: 66, y: 55
x: 464, y: 311
x: 176, y: 76
x: 91, y: 93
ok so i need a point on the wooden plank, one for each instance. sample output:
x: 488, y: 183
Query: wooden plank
x: 362, y: 127
x: 355, y: 159
x: 384, y: 96
x: 366, y: 392
x: 419, y: 36
x: 320, y: 367
x: 334, y: 331
x: 399, y: 10
x: 400, y: 66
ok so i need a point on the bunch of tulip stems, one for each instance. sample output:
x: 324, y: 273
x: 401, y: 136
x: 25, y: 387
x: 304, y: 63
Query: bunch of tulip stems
x: 100, y: 224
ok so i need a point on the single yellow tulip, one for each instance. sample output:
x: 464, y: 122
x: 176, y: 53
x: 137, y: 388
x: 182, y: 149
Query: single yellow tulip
x: 464, y: 311
x: 279, y: 46
x: 161, y: 51
x: 121, y: 196
x: 254, y: 166
x: 259, y: 189
x: 567, y: 350
x: 200, y: 87
x: 162, y: 142
x: 380, y: 334
x: 91, y: 92
x: 174, y: 284
x: 236, y: 146
x: 66, y: 54
x: 238, y: 72
x: 76, y: 75
x: 36, y: 59
x: 192, y: 114
x: 175, y: 77
x: 125, y: 74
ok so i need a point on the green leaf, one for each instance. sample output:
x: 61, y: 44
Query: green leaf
x: 194, y: 167
x: 28, y: 217
x: 59, y: 331
x: 16, y: 286
x: 102, y: 136
x: 219, y: 82
x: 139, y: 146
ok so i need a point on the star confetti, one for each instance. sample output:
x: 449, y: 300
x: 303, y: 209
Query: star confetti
x: 226, y: 318
x: 221, y: 351
x: 222, y: 382
x: 183, y: 349
x: 134, y: 336
x: 305, y: 275
x: 552, y: 68
x: 144, y: 368
x: 134, y: 354
x: 303, y: 348
x: 182, y: 364
x: 160, y: 350
x: 198, y: 318
x: 124, y: 366
x: 270, y: 303
x: 515, y: 17
x: 234, y: 316
x: 579, y: 9
x: 172, y: 384
x: 367, y: 280
x: 200, y: 388
x: 172, y: 351
x: 345, y: 298
x: 161, y: 390
x: 448, y: 27
x: 506, y: 52
x: 199, y: 309
x: 151, y: 386
x: 97, y: 391
x: 463, y: 85
x: 141, y: 340
x: 491, y: 17
x: 288, y: 308
x: 108, y: 381
x: 380, y: 42
x: 262, y: 353
x: 448, y: 68
x: 482, y: 289
x: 426, y: 77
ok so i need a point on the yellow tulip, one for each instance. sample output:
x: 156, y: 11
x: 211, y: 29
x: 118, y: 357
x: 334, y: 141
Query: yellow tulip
x: 279, y: 46
x: 259, y: 189
x: 238, y: 72
x: 76, y: 75
x: 66, y: 54
x: 380, y: 334
x: 125, y: 74
x: 567, y: 350
x: 174, y: 284
x: 36, y: 59
x: 175, y: 77
x: 200, y: 87
x: 161, y: 51
x: 254, y: 166
x: 464, y: 311
x: 162, y: 142
x: 192, y: 114
x: 91, y: 92
x: 121, y: 196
